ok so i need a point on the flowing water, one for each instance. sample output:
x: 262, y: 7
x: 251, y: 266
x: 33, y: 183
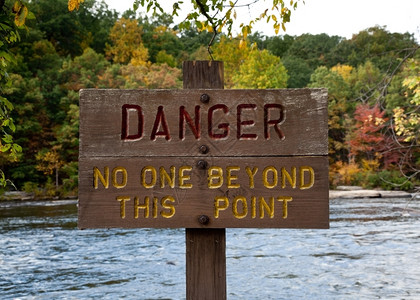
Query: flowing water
x: 371, y: 251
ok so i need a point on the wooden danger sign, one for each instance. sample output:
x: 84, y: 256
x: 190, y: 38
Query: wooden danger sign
x: 203, y: 158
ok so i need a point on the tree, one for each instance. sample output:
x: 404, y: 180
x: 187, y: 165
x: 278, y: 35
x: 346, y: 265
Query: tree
x: 314, y: 49
x: 216, y: 15
x: 338, y: 110
x: 298, y: 70
x: 49, y: 162
x: 12, y: 17
x: 233, y: 53
x: 376, y: 44
x: 126, y: 43
x: 158, y: 37
x: 261, y: 70
x: 278, y: 45
x: 368, y: 138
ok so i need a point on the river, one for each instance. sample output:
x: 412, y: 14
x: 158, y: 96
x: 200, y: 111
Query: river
x: 371, y: 251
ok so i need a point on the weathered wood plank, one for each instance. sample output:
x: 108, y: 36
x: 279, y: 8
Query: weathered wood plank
x: 236, y: 182
x: 232, y: 123
x: 203, y: 74
x: 205, y: 248
x: 206, y: 263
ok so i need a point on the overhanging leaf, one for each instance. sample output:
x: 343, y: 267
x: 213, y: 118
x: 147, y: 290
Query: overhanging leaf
x: 21, y: 15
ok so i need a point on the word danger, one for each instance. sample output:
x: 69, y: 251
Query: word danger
x: 134, y: 122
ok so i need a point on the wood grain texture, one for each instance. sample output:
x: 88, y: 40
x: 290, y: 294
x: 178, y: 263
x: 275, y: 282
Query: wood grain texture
x: 304, y: 125
x: 99, y: 207
x: 205, y: 248
x: 206, y: 263
x: 203, y: 74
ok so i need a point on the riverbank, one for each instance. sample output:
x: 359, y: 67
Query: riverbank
x: 24, y: 196
x: 342, y: 192
x: 351, y: 192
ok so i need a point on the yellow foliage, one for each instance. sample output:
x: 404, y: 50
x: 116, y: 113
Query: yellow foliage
x: 74, y: 4
x: 48, y: 162
x: 343, y: 174
x: 127, y: 46
x: 21, y: 12
x: 343, y: 70
x: 370, y: 165
x: 406, y: 125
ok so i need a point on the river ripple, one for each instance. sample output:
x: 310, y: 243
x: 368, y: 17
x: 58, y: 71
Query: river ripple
x: 371, y: 251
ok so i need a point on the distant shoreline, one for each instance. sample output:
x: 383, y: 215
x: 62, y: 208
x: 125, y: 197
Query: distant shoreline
x: 355, y: 192
x: 341, y: 192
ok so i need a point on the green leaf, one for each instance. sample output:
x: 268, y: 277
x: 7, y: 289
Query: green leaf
x: 12, y: 125
x: 7, y: 139
x: 17, y: 148
x: 5, y: 148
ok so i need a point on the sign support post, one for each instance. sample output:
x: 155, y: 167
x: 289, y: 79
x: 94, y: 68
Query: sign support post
x: 205, y: 159
x: 205, y: 248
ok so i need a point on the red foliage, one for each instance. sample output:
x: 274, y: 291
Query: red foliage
x: 369, y: 137
x: 373, y: 139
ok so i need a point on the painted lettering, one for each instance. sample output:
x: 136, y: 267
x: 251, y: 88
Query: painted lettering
x: 259, y: 206
x: 220, y: 203
x: 215, y: 177
x: 97, y: 176
x: 236, y: 213
x: 266, y: 177
x: 185, y: 117
x: 311, y: 174
x: 165, y: 177
x: 128, y: 110
x: 160, y: 121
x: 123, y: 182
x: 272, y: 116
x: 285, y: 200
x: 122, y: 200
x: 167, y: 204
x: 150, y: 182
x: 163, y: 207
x: 144, y: 205
x: 183, y: 178
x: 230, y: 178
x: 251, y: 174
x: 268, y: 122
x: 290, y: 178
x: 104, y: 178
x: 223, y: 126
x: 240, y: 123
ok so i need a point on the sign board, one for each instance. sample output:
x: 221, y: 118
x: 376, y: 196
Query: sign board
x: 203, y: 158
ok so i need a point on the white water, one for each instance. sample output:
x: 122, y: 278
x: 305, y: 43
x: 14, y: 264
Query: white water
x: 371, y: 251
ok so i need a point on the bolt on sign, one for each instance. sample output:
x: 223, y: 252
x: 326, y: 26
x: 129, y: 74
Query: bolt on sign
x: 203, y: 158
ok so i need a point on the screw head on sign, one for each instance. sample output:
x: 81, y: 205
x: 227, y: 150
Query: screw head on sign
x: 203, y: 219
x: 204, y: 98
x: 202, y: 164
x: 203, y: 149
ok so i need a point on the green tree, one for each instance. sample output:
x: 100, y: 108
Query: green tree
x: 12, y: 16
x: 376, y: 44
x: 215, y: 15
x: 314, y: 49
x: 158, y: 37
x: 261, y: 70
x: 339, y: 92
x: 279, y: 45
x: 298, y: 70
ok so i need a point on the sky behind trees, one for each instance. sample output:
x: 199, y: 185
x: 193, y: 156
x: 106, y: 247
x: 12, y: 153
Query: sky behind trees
x: 334, y: 17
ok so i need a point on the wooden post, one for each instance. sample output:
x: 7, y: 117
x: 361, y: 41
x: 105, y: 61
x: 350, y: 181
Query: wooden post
x: 205, y: 248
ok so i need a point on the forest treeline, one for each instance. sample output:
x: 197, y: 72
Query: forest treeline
x: 372, y: 79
